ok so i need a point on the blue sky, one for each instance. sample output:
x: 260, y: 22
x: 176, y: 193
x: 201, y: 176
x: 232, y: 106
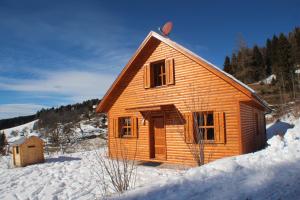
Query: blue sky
x: 59, y: 52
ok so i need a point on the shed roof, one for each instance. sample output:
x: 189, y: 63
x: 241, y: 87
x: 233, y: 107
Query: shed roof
x: 211, y: 67
x: 19, y: 141
x: 22, y: 140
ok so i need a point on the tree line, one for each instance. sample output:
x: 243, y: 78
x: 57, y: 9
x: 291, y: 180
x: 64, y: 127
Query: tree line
x: 279, y: 56
x: 62, y: 114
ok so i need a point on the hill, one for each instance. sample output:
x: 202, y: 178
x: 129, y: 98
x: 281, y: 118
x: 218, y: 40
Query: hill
x: 62, y: 127
x: 84, y: 109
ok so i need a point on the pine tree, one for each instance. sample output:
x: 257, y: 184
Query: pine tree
x: 227, y: 65
x: 296, y: 47
x: 234, y: 64
x: 2, y: 143
x: 268, y: 57
x: 257, y: 64
x: 274, y: 53
x: 285, y: 69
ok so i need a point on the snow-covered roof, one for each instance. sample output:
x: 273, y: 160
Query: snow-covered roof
x: 19, y: 141
x: 22, y: 140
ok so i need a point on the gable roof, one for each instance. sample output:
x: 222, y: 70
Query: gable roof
x: 209, y: 66
x: 22, y: 140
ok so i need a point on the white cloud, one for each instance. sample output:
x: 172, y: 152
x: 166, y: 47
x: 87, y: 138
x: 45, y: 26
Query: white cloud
x: 14, y: 110
x: 77, y: 85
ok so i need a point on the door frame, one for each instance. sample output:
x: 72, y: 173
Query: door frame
x: 150, y: 129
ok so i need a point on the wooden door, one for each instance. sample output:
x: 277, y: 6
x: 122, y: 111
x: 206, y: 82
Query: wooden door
x: 158, y: 138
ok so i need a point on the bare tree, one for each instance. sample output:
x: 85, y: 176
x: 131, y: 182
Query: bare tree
x: 193, y: 103
x: 117, y: 171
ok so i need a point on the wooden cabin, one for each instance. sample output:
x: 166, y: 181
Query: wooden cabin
x: 27, y: 151
x: 166, y: 94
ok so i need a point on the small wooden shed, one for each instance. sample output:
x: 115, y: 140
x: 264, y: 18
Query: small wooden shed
x: 27, y: 151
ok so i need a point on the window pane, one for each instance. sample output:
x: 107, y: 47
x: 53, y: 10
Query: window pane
x: 127, y: 121
x: 210, y: 134
x: 210, y: 119
x: 200, y: 134
x: 156, y: 72
x: 123, y: 131
x: 159, y: 73
x: 163, y: 79
x: 200, y: 119
x: 128, y: 131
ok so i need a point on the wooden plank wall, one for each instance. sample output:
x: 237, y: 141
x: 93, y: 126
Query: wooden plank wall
x: 253, y: 134
x: 34, y: 155
x: 195, y: 89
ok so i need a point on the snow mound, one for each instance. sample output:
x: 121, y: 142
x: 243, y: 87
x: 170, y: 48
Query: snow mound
x: 272, y: 173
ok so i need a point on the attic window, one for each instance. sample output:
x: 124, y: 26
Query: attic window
x: 159, y: 73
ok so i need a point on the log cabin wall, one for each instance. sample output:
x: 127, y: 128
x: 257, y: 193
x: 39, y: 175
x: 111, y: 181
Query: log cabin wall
x: 33, y: 151
x: 195, y: 89
x: 252, y: 128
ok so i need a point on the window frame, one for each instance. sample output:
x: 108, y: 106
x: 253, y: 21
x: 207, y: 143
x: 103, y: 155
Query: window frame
x: 205, y: 126
x: 159, y: 75
x: 127, y: 126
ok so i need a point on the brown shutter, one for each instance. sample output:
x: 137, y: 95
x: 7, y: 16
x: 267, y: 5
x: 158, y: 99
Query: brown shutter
x: 219, y: 125
x: 147, y: 76
x: 169, y: 63
x: 116, y: 127
x: 189, y: 128
x: 134, y: 126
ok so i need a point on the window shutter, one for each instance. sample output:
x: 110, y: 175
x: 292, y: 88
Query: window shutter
x: 219, y: 125
x: 134, y: 126
x: 189, y: 128
x: 147, y: 76
x: 116, y: 128
x: 169, y: 63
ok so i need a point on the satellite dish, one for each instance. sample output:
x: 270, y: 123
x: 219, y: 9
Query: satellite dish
x: 166, y: 28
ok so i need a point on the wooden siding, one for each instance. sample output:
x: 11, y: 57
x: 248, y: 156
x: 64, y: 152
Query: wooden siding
x: 252, y: 128
x: 195, y: 89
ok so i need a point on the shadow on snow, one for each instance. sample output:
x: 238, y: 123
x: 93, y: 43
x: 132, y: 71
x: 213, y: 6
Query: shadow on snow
x: 278, y: 128
x: 61, y: 159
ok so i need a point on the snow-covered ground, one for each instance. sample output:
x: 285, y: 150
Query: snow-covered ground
x: 273, y: 173
x: 69, y: 176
